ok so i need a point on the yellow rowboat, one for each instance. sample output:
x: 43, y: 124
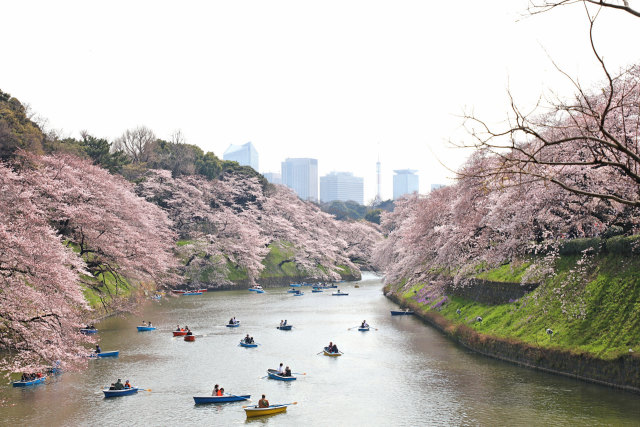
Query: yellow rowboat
x: 328, y: 353
x: 254, y: 411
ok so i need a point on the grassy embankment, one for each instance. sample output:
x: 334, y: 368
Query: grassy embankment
x: 600, y: 315
x: 278, y: 266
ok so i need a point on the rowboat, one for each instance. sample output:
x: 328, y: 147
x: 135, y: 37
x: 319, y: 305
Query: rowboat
x: 285, y: 327
x: 365, y: 329
x: 254, y: 411
x: 191, y: 293
x: 220, y: 399
x: 175, y: 291
x: 28, y: 383
x: 297, y: 294
x: 244, y: 344
x: 146, y: 328
x: 190, y: 338
x: 295, y: 285
x: 114, y: 353
x: 88, y: 331
x: 255, y: 288
x: 316, y: 290
x: 327, y: 353
x: 179, y: 333
x: 292, y: 291
x: 401, y: 312
x: 274, y: 375
x: 259, y: 291
x: 339, y: 294
x: 201, y: 290
x: 117, y: 393
x: 233, y: 325
x: 332, y: 286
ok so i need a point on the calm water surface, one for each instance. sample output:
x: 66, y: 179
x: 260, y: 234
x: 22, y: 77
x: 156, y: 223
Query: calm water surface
x: 403, y: 374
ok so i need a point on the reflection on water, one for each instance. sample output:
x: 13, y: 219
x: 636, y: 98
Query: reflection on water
x: 405, y: 373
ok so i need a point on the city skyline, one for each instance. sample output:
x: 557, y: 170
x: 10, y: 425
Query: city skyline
x: 392, y: 81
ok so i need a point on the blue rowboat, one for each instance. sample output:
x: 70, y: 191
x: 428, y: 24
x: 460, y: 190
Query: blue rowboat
x: 339, y: 294
x: 117, y: 393
x: 146, y: 328
x: 401, y: 312
x: 297, y: 294
x: 29, y: 383
x: 332, y: 286
x: 307, y: 284
x: 88, y: 331
x: 220, y: 399
x: 285, y: 327
x: 292, y: 291
x: 274, y: 375
x: 244, y: 344
x: 259, y: 291
x: 316, y: 290
x: 115, y: 353
x: 234, y: 325
x: 192, y: 293
x: 295, y: 285
x: 365, y: 329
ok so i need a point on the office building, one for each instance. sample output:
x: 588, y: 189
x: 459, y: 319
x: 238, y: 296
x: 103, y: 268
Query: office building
x: 301, y: 175
x: 273, y: 177
x: 245, y: 155
x: 342, y: 186
x: 405, y: 181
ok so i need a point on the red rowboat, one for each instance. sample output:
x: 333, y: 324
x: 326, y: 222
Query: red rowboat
x: 179, y: 333
x: 175, y: 291
x: 201, y: 290
x: 189, y: 337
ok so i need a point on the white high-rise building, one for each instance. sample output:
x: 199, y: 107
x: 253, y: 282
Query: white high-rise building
x: 273, y: 177
x: 301, y: 175
x: 341, y: 186
x: 405, y: 181
x: 244, y: 154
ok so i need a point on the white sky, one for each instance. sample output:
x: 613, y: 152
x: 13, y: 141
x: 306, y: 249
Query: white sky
x: 340, y: 81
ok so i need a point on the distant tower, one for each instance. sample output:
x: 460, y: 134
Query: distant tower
x: 378, y: 198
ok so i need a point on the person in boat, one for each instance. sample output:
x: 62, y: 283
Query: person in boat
x: 127, y: 384
x: 329, y: 347
x: 118, y: 385
x: 24, y: 377
x: 281, y: 324
x: 178, y: 328
x: 281, y: 369
x: 335, y: 349
x: 221, y: 391
x: 98, y: 349
x: 263, y: 403
x: 247, y: 339
x: 285, y: 322
x: 189, y: 332
x: 215, y: 390
x: 149, y: 324
x: 231, y: 321
x: 251, y: 338
x: 234, y: 320
x: 144, y: 323
x: 287, y: 372
x: 364, y: 324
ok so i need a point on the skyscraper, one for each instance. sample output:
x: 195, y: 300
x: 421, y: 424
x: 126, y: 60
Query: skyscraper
x: 273, y: 177
x: 405, y: 181
x: 341, y: 186
x: 245, y: 154
x: 301, y: 175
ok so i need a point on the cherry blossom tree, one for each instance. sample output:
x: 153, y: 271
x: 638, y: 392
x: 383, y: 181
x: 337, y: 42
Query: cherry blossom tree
x: 41, y: 302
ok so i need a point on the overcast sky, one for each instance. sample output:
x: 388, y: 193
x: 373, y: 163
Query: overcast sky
x: 340, y: 81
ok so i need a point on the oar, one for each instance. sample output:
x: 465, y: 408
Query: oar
x: 240, y: 397
x: 299, y: 373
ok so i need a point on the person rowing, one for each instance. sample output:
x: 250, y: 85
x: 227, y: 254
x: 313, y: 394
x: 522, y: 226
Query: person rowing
x: 364, y: 324
x: 287, y: 372
x: 263, y: 403
x: 281, y: 369
x: 98, y: 349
